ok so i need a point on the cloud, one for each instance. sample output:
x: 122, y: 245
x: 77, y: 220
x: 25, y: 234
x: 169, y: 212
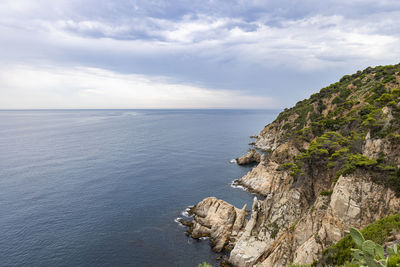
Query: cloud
x: 278, y: 49
x: 307, y: 43
x: 80, y: 87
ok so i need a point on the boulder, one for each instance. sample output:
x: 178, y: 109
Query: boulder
x: 251, y: 157
x: 219, y: 220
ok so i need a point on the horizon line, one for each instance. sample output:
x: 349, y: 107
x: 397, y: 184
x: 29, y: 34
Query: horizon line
x: 71, y: 109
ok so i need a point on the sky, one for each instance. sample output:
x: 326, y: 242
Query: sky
x: 187, y: 54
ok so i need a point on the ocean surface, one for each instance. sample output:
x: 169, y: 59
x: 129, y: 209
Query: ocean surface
x: 103, y: 187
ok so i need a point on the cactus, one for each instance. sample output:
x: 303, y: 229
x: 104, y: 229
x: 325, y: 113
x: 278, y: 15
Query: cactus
x: 368, y: 253
x: 357, y: 237
x: 392, y: 251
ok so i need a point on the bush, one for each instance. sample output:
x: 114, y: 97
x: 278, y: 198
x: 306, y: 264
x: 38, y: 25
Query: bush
x: 396, y: 92
x: 326, y: 193
x: 394, y: 261
x: 378, y: 232
x: 385, y: 98
x: 337, y: 100
x: 379, y: 89
x: 388, y: 79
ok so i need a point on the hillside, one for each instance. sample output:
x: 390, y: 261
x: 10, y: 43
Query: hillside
x: 333, y: 127
x: 326, y: 164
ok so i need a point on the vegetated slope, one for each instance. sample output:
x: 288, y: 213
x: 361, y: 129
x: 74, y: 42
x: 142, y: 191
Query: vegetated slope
x: 332, y: 127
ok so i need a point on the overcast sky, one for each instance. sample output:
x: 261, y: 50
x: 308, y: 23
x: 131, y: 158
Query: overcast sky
x: 186, y: 54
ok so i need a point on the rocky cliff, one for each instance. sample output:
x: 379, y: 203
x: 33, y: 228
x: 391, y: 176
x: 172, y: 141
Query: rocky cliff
x: 329, y: 163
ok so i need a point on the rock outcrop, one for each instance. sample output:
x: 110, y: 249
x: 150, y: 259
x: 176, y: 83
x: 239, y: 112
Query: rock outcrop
x: 251, y: 157
x: 288, y: 227
x: 355, y: 202
x: 217, y: 219
x: 265, y: 179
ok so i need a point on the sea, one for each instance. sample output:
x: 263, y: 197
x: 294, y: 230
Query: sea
x: 105, y: 187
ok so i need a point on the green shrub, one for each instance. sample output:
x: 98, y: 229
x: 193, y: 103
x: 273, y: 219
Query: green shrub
x: 378, y: 232
x: 287, y: 166
x: 385, y: 98
x: 388, y: 79
x: 379, y: 89
x: 394, y: 261
x: 273, y: 229
x: 365, y: 110
x: 344, y: 93
x: 396, y: 92
x: 337, y: 100
x: 326, y: 193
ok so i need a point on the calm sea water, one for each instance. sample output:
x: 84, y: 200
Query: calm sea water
x: 103, y: 187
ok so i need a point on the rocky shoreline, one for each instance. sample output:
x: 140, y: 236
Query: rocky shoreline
x: 329, y: 163
x: 288, y: 226
x: 251, y: 157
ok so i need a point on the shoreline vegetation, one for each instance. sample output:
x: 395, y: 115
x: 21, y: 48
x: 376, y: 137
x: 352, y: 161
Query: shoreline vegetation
x: 327, y: 164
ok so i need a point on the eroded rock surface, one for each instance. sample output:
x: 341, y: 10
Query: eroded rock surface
x: 251, y: 157
x: 286, y: 227
x: 218, y: 220
x: 265, y: 179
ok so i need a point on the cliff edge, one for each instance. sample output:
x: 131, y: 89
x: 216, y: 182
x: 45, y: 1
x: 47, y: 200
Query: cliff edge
x: 329, y: 163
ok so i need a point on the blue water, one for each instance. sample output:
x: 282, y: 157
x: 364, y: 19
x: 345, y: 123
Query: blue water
x: 103, y: 187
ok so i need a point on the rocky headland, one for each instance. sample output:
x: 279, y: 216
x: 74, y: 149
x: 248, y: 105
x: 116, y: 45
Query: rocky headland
x: 329, y: 163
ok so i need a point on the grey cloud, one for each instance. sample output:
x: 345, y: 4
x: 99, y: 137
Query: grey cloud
x: 271, y: 48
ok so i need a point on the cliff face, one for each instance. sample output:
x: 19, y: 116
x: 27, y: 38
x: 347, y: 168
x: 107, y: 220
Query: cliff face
x: 329, y: 163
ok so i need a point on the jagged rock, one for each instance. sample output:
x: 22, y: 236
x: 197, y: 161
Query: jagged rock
x: 265, y: 179
x: 250, y: 157
x: 331, y: 217
x: 240, y: 220
x: 247, y: 249
x: 372, y: 147
x: 218, y: 220
x: 305, y: 222
x: 284, y: 153
x: 269, y: 138
x: 316, y: 223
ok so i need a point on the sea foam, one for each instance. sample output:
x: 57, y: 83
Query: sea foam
x: 185, y: 213
x: 177, y: 220
x: 235, y: 185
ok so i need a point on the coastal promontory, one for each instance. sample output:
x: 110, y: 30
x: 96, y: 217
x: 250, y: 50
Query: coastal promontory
x: 329, y: 163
